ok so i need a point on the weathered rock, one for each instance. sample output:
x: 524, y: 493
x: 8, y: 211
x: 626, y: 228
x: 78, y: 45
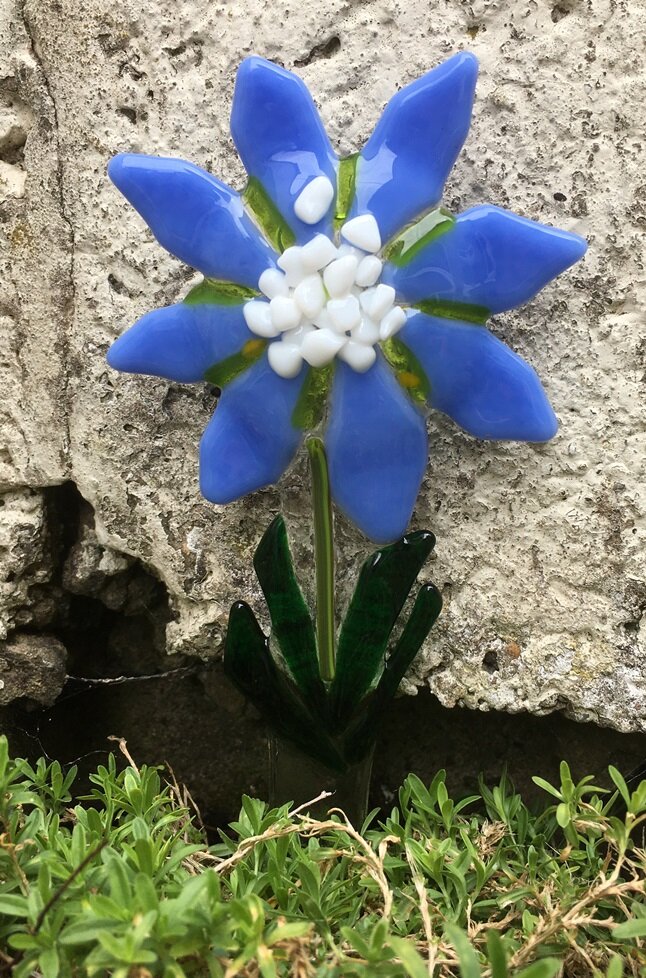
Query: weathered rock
x: 540, y: 549
x: 32, y: 668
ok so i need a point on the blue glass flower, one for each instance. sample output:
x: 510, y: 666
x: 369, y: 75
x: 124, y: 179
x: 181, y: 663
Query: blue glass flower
x: 339, y: 295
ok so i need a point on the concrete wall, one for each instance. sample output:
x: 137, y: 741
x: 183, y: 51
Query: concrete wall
x: 540, y: 549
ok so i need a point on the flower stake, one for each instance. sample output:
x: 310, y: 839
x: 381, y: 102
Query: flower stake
x: 339, y: 298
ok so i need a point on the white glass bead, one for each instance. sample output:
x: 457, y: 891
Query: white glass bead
x: 368, y: 271
x: 257, y: 315
x: 285, y: 358
x: 358, y: 356
x: 318, y: 253
x: 367, y: 332
x: 285, y: 314
x: 381, y: 301
x: 314, y: 200
x: 344, y: 314
x: 272, y: 283
x: 310, y: 295
x: 392, y: 322
x: 362, y: 231
x: 321, y: 346
x: 291, y: 263
x: 347, y: 249
x: 339, y: 275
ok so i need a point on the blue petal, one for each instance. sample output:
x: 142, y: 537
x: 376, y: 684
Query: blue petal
x: 180, y: 342
x: 490, y: 257
x: 250, y: 440
x: 479, y: 382
x: 377, y: 449
x: 403, y: 167
x: 280, y: 138
x: 194, y: 216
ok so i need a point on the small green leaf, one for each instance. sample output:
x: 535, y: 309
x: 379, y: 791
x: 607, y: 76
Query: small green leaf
x: 411, y: 959
x: 13, y: 905
x: 545, y: 968
x: 546, y: 786
x: 630, y: 928
x: 620, y: 783
x: 497, y: 956
x: 563, y: 816
x: 467, y: 957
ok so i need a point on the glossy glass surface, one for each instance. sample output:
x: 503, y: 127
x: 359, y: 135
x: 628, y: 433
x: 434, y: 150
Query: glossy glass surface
x: 478, y: 381
x: 490, y: 258
x: 403, y: 167
x: 377, y: 447
x: 250, y: 440
x: 456, y: 270
x: 181, y: 342
x: 193, y: 216
x: 280, y: 138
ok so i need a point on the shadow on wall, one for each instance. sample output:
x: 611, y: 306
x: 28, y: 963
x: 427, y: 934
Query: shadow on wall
x: 196, y: 723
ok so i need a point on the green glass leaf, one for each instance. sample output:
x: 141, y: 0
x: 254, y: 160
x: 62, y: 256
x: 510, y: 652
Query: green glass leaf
x: 408, y: 370
x: 310, y: 406
x: 402, y: 249
x: 345, y: 184
x: 212, y: 291
x: 271, y: 222
x: 290, y: 617
x: 226, y: 370
x: 249, y: 665
x: 423, y: 616
x: 384, y: 583
x: 447, y: 309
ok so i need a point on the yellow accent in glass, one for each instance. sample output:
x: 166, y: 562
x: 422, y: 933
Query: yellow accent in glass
x: 408, y: 370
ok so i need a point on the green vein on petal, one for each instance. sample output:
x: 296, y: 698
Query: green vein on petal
x: 226, y: 370
x: 448, y: 309
x: 310, y: 406
x: 408, y: 370
x: 214, y: 292
x: 409, y: 242
x: 345, y: 186
x: 271, y: 222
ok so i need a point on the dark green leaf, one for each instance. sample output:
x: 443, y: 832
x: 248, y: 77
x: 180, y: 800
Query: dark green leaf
x: 384, y: 583
x: 426, y: 609
x: 290, y: 617
x: 249, y: 664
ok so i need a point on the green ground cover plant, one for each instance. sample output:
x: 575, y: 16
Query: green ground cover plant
x: 124, y: 883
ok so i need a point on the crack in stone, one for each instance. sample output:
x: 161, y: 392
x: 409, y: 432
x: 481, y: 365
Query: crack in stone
x: 69, y: 294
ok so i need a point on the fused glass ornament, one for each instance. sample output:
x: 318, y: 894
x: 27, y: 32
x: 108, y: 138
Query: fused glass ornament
x: 339, y: 295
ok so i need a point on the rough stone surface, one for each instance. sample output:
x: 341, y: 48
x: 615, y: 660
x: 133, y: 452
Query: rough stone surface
x: 32, y: 668
x: 540, y: 553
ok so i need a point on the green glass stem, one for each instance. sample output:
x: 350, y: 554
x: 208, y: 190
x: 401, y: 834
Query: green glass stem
x: 323, y: 556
